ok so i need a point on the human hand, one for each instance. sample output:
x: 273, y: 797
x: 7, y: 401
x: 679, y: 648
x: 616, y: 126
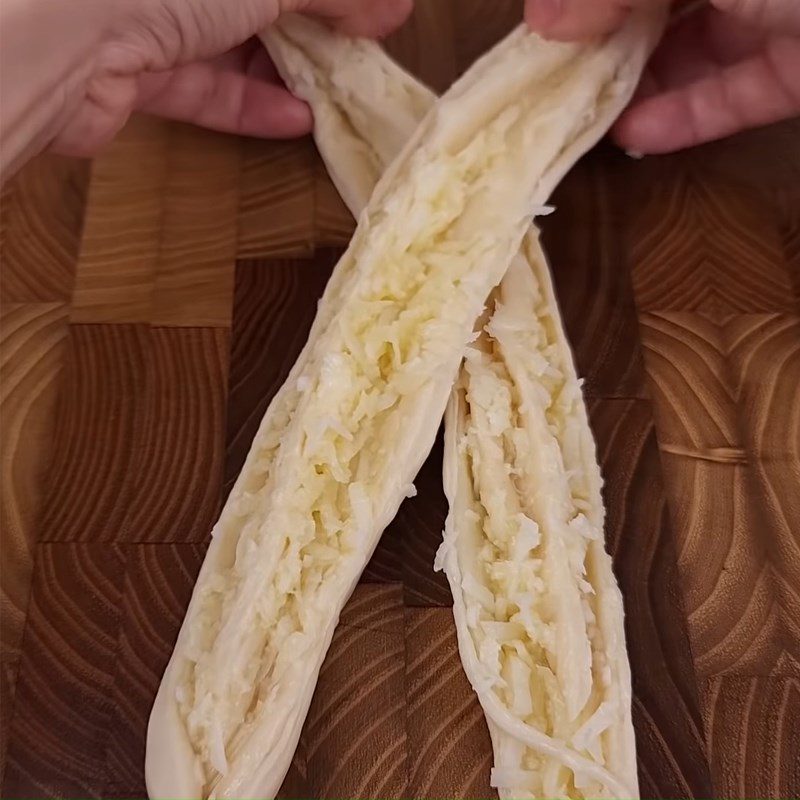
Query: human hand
x: 732, y: 65
x: 72, y: 73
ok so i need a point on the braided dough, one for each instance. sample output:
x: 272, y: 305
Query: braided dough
x: 341, y: 442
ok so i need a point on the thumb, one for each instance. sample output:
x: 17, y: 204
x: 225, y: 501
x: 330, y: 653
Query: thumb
x: 575, y: 19
x: 372, y: 18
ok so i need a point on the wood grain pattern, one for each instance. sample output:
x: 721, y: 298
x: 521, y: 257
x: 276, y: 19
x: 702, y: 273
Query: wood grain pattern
x: 88, y: 485
x: 717, y: 389
x: 157, y: 586
x: 355, y: 732
x: 703, y: 247
x: 122, y: 233
x: 408, y: 547
x: 194, y: 279
x: 43, y: 214
x: 449, y: 749
x: 754, y: 736
x: 276, y: 212
x: 717, y: 253
x: 765, y: 359
x: 64, y: 690
x: 139, y: 453
x: 274, y: 307
x: 32, y: 338
x: 765, y: 354
x: 692, y: 386
x: 478, y: 25
x: 669, y: 728
x: 31, y: 353
x: 594, y: 292
x: 425, y: 45
x: 9, y: 667
x: 172, y: 488
x: 728, y: 575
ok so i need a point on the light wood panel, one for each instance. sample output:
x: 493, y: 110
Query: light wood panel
x: 194, y: 278
x: 121, y: 240
x: 276, y: 211
x: 692, y: 386
x: 717, y: 390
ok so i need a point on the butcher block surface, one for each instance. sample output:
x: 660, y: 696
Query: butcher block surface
x: 153, y: 302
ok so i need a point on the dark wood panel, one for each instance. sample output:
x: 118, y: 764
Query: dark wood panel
x: 156, y: 590
x: 448, y: 742
x: 718, y: 253
x: 9, y: 667
x: 592, y: 285
x: 32, y: 340
x: 669, y: 728
x: 93, y: 450
x: 425, y: 45
x: 753, y: 728
x: 692, y: 386
x: 173, y: 481
x: 274, y: 306
x: 64, y: 691
x: 355, y: 733
x: 43, y: 216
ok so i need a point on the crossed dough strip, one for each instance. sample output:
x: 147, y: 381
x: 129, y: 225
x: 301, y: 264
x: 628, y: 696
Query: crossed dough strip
x: 343, y: 439
x: 522, y: 350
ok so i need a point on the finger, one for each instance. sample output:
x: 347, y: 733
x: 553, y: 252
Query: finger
x: 760, y: 90
x: 575, y: 19
x: 777, y: 15
x: 683, y: 55
x: 696, y: 45
x: 372, y: 18
x: 100, y: 117
x: 224, y: 100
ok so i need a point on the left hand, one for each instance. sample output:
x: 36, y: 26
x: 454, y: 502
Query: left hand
x: 74, y: 72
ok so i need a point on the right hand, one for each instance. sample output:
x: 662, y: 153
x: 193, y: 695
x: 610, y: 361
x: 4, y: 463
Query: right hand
x: 727, y: 67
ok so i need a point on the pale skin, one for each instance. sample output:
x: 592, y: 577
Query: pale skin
x: 71, y: 73
x: 732, y: 65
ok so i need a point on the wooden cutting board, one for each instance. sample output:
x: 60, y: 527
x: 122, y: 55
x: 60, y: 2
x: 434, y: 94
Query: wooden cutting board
x: 153, y: 302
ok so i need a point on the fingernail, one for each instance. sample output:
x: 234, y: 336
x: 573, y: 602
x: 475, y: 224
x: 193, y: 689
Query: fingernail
x: 541, y: 14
